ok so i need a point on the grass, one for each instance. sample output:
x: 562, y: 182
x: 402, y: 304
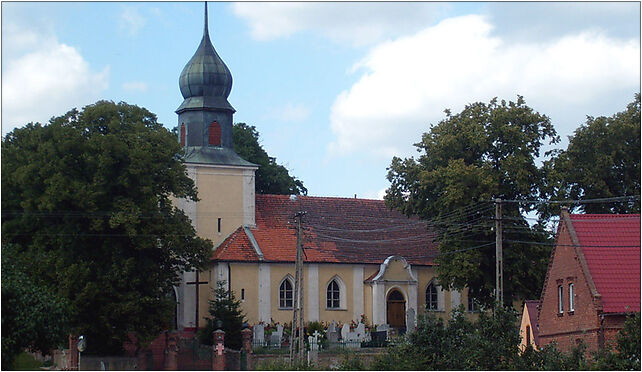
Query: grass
x: 25, y: 362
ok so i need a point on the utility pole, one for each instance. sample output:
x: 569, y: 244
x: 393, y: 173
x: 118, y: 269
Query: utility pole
x: 297, y: 314
x: 499, y: 259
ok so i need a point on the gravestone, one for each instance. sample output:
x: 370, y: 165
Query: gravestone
x: 410, y: 320
x: 332, y: 334
x: 277, y: 336
x: 259, y: 334
x: 313, y: 341
x: 344, y: 331
x: 361, y: 332
x: 275, y: 340
x: 332, y: 327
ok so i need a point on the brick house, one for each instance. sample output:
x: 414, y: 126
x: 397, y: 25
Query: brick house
x: 593, y: 280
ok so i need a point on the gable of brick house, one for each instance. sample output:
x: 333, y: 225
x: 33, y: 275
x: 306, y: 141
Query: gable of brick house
x: 599, y: 255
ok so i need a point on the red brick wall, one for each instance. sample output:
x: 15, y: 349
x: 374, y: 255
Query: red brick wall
x: 583, y: 323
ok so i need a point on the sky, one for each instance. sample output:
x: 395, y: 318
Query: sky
x: 334, y: 89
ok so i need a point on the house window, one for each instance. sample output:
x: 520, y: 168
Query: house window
x: 219, y: 225
x: 571, y: 299
x: 432, y: 299
x: 214, y: 134
x: 285, y: 294
x: 333, y: 295
x: 560, y: 299
x: 528, y: 335
x: 473, y: 305
x: 183, y: 134
x: 242, y: 294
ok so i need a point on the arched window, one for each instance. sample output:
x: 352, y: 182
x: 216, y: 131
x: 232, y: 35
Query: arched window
x: 432, y: 297
x: 286, y: 294
x: 214, y: 134
x: 333, y: 295
x: 528, y: 335
x: 183, y: 134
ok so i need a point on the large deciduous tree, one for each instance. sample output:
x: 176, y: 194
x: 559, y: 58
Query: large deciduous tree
x: 602, y: 161
x: 486, y: 151
x: 271, y: 177
x: 87, y: 201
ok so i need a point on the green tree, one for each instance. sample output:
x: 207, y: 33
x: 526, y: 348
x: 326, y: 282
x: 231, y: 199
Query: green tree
x: 87, y: 201
x: 602, y: 161
x: 491, y: 343
x: 271, y: 178
x: 226, y: 309
x: 33, y: 316
x: 627, y: 349
x: 487, y: 151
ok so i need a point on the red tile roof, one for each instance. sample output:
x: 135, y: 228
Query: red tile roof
x: 336, y: 230
x: 611, y: 246
x: 531, y: 305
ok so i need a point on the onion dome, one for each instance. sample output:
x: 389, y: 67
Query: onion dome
x: 205, y: 75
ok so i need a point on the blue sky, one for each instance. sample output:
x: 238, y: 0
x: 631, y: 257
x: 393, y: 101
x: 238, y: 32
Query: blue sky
x: 335, y: 89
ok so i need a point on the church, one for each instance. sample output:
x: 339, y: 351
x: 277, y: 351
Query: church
x: 362, y: 261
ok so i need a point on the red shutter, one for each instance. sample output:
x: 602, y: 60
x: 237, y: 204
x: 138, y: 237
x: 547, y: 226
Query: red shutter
x: 182, y: 134
x: 215, y: 134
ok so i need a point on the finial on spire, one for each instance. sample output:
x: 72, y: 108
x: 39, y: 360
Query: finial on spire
x: 206, y: 32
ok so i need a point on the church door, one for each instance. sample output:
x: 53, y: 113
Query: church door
x: 396, y: 309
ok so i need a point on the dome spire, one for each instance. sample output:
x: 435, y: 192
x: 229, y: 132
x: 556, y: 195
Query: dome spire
x: 206, y: 32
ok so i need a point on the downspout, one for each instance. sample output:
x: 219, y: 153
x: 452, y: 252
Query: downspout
x: 229, y: 280
x: 600, y: 333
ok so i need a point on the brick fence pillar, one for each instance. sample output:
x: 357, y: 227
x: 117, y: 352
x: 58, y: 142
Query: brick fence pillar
x: 73, y: 353
x: 218, y: 355
x: 246, y: 336
x: 171, y: 352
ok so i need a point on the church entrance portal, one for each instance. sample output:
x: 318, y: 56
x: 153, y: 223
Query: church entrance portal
x: 396, y: 309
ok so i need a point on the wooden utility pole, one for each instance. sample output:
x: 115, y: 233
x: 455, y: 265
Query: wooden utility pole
x: 297, y: 343
x: 499, y: 259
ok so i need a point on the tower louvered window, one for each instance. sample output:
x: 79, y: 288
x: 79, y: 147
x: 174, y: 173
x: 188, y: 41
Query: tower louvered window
x: 182, y: 134
x: 214, y: 133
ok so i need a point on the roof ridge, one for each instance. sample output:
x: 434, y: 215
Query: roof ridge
x: 319, y: 197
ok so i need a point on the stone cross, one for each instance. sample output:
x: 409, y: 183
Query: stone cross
x: 219, y: 349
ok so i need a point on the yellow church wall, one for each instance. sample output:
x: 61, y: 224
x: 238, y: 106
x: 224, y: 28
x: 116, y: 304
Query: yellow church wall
x: 425, y: 274
x: 277, y: 273
x: 346, y: 274
x: 245, y: 277
x: 220, y: 191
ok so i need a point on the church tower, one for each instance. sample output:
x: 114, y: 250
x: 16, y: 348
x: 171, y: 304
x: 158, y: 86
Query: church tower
x: 224, y: 180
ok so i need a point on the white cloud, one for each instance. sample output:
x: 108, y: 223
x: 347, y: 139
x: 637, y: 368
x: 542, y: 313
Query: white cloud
x: 292, y: 113
x: 377, y: 195
x: 47, y: 80
x: 407, y: 83
x: 135, y: 86
x: 351, y: 23
x: 131, y: 21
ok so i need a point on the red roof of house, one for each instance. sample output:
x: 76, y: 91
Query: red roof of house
x: 531, y: 305
x: 611, y: 247
x: 336, y: 230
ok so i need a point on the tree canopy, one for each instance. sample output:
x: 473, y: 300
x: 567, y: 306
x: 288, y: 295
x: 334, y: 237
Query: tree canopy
x: 602, y: 161
x: 271, y: 177
x: 486, y: 151
x: 87, y: 201
x: 33, y: 316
